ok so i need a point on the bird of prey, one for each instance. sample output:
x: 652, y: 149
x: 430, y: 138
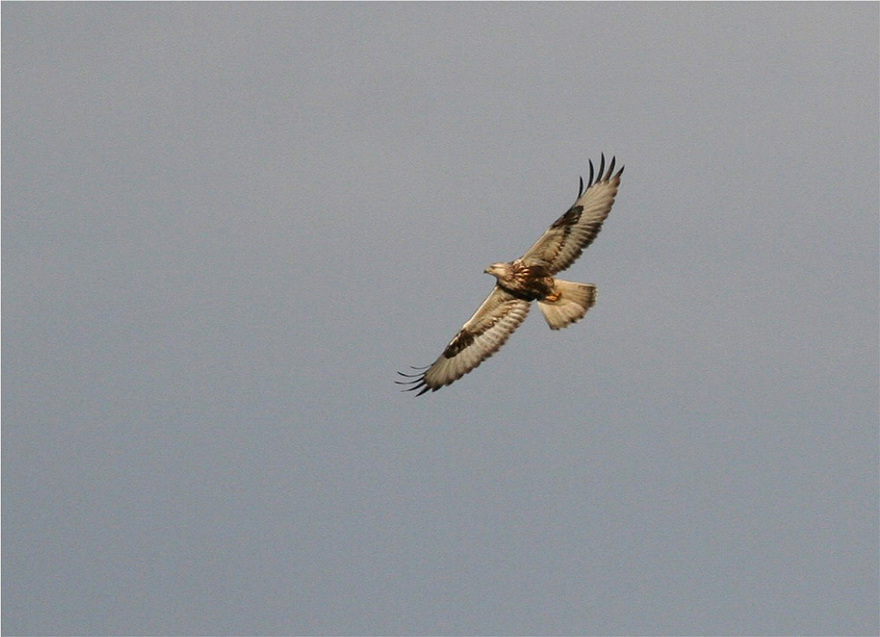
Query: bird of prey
x: 529, y: 278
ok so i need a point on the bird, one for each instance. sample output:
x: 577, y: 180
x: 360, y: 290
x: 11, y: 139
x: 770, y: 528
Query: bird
x: 529, y: 278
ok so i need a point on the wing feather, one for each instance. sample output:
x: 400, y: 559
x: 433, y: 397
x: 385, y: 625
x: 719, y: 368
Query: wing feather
x: 569, y: 235
x: 483, y: 335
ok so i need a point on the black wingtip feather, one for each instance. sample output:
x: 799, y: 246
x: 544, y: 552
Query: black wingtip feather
x: 416, y: 382
x: 602, y: 174
x: 581, y: 188
x: 420, y: 371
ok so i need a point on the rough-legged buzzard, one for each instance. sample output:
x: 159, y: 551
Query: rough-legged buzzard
x: 529, y: 278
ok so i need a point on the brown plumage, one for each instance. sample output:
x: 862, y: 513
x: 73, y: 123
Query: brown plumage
x: 529, y: 278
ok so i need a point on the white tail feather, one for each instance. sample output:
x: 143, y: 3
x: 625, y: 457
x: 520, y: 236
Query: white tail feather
x: 571, y: 302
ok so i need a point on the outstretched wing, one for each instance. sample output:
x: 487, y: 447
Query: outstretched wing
x: 569, y: 235
x: 483, y: 335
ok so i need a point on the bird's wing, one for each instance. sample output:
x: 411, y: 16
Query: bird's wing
x: 483, y: 335
x: 569, y: 235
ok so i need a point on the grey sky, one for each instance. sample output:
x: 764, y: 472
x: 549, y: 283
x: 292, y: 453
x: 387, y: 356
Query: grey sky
x: 226, y: 226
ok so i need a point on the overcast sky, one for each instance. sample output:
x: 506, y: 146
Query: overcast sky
x: 226, y: 226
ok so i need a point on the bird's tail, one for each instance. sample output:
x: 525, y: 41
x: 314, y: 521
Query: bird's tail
x: 568, y: 303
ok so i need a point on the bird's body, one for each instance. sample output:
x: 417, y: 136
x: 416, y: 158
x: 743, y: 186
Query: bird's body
x: 528, y: 282
x: 529, y: 278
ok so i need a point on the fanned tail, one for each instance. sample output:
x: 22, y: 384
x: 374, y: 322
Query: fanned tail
x: 568, y: 303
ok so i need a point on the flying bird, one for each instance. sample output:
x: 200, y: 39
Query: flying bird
x: 529, y: 278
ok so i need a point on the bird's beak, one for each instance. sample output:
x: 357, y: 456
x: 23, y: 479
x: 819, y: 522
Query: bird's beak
x: 486, y: 271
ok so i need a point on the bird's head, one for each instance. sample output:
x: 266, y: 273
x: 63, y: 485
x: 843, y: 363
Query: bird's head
x: 498, y: 270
